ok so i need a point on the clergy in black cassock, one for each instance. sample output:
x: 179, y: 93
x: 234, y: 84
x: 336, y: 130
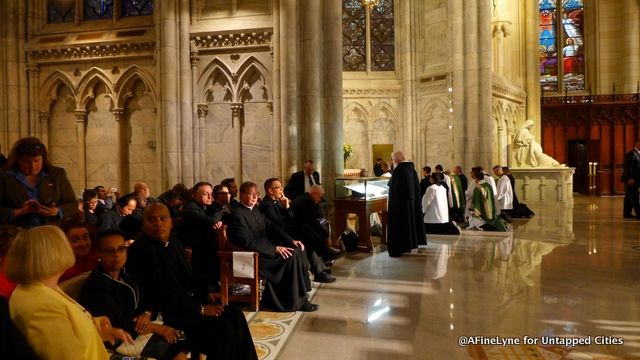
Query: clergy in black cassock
x: 282, y: 259
x: 405, y: 230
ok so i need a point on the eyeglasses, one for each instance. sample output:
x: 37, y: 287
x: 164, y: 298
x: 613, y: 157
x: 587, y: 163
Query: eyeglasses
x: 112, y: 252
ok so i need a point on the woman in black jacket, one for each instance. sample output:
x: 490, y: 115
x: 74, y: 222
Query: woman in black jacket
x: 110, y: 291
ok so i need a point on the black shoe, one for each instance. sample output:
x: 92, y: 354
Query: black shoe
x: 329, y: 263
x: 628, y: 216
x: 309, y: 307
x: 324, y: 278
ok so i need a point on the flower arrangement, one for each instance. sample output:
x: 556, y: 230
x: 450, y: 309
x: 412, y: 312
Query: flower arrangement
x: 347, y: 151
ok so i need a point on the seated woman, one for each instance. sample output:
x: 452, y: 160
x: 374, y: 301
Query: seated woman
x: 80, y: 241
x: 435, y: 207
x: 110, y: 291
x: 32, y: 191
x: 54, y: 325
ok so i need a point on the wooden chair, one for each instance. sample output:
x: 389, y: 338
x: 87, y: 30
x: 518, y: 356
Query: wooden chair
x: 225, y: 253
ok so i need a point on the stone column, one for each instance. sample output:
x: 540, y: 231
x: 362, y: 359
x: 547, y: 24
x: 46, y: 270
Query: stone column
x: 12, y: 72
x: 312, y: 91
x: 532, y: 38
x: 203, y: 110
x: 187, y: 111
x: 332, y: 164
x: 484, y: 79
x: 276, y: 56
x: 237, y: 123
x: 631, y: 47
x: 44, y: 127
x: 198, y: 136
x: 290, y: 101
x: 81, y: 120
x: 33, y: 71
x: 121, y: 151
x: 165, y: 13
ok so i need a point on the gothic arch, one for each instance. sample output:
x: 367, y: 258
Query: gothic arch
x: 358, y: 107
x: 216, y: 72
x: 87, y: 86
x: 250, y: 72
x: 385, y: 108
x: 430, y: 107
x: 50, y: 89
x: 124, y: 85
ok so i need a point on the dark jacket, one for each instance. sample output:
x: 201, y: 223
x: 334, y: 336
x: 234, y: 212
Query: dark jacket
x: 251, y: 230
x: 118, y: 300
x: 307, y: 212
x: 276, y: 213
x: 631, y: 167
x: 13, y: 345
x: 52, y: 188
x: 295, y: 186
x: 166, y: 280
x: 405, y: 228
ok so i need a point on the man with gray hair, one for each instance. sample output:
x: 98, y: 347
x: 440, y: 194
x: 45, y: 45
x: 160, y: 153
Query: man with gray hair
x: 405, y: 230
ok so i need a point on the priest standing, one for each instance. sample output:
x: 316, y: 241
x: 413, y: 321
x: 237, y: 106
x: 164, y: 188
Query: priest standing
x: 405, y: 229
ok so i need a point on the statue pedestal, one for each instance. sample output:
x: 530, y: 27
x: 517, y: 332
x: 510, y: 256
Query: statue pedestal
x: 544, y: 184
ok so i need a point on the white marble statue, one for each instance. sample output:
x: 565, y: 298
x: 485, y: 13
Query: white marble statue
x: 527, y: 152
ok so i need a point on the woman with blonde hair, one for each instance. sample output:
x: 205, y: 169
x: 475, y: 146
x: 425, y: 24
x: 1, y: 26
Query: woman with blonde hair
x: 54, y: 324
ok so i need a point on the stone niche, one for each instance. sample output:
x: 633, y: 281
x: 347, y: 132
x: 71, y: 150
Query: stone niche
x: 544, y: 184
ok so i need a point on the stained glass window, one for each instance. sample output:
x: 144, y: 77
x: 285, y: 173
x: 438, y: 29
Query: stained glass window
x: 379, y: 24
x: 562, y: 45
x: 60, y: 11
x: 354, y: 50
x: 382, y: 44
x: 98, y: 9
x: 137, y: 7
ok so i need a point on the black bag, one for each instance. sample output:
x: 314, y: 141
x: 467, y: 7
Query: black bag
x: 350, y: 241
x: 522, y: 211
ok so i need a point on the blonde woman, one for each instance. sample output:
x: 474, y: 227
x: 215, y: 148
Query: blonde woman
x: 55, y: 325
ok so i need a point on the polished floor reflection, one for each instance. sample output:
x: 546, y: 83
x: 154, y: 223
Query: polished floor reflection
x: 567, y: 273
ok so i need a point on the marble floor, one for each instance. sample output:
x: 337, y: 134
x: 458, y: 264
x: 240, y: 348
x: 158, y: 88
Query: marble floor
x: 567, y: 272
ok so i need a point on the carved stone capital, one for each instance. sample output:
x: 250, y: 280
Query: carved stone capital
x: 203, y: 110
x: 195, y: 59
x: 33, y: 67
x: 81, y: 115
x: 44, y: 116
x: 236, y: 109
x: 118, y: 113
x: 501, y: 28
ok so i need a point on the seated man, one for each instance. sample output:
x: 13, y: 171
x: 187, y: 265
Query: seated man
x: 301, y: 181
x: 168, y: 283
x: 483, y: 211
x: 230, y: 183
x: 306, y: 211
x: 198, y: 231
x: 113, y: 219
x: 282, y: 260
x: 435, y: 209
x: 277, y: 208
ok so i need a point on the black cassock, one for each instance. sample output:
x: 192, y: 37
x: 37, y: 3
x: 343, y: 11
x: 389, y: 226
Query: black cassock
x: 405, y: 229
x: 287, y: 280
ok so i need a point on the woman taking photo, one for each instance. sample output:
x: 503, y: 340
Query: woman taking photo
x: 32, y: 191
x: 54, y: 325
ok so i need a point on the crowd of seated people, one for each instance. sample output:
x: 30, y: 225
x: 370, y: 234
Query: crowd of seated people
x: 128, y: 251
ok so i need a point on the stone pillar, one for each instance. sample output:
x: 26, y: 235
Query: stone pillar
x: 33, y: 71
x: 203, y: 110
x: 277, y: 133
x: 168, y: 64
x: 532, y: 70
x: 237, y: 123
x: 121, y: 151
x: 484, y: 78
x: 187, y: 112
x: 290, y: 106
x: 12, y: 72
x: 81, y: 120
x: 312, y: 91
x: 332, y: 164
x: 198, y: 130
x: 631, y: 47
x: 44, y: 127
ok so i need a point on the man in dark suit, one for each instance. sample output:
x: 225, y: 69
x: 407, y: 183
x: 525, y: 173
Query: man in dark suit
x: 426, y: 180
x: 277, y: 208
x: 378, y: 170
x: 631, y: 179
x: 301, y: 181
x: 170, y: 285
x: 198, y: 231
x: 282, y: 260
x: 306, y: 210
x: 231, y: 184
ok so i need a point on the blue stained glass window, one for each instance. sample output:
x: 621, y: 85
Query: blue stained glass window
x: 60, y: 11
x: 98, y: 9
x: 137, y: 7
x: 562, y: 45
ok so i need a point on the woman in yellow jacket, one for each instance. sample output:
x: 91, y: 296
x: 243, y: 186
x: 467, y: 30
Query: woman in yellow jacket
x: 55, y: 325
